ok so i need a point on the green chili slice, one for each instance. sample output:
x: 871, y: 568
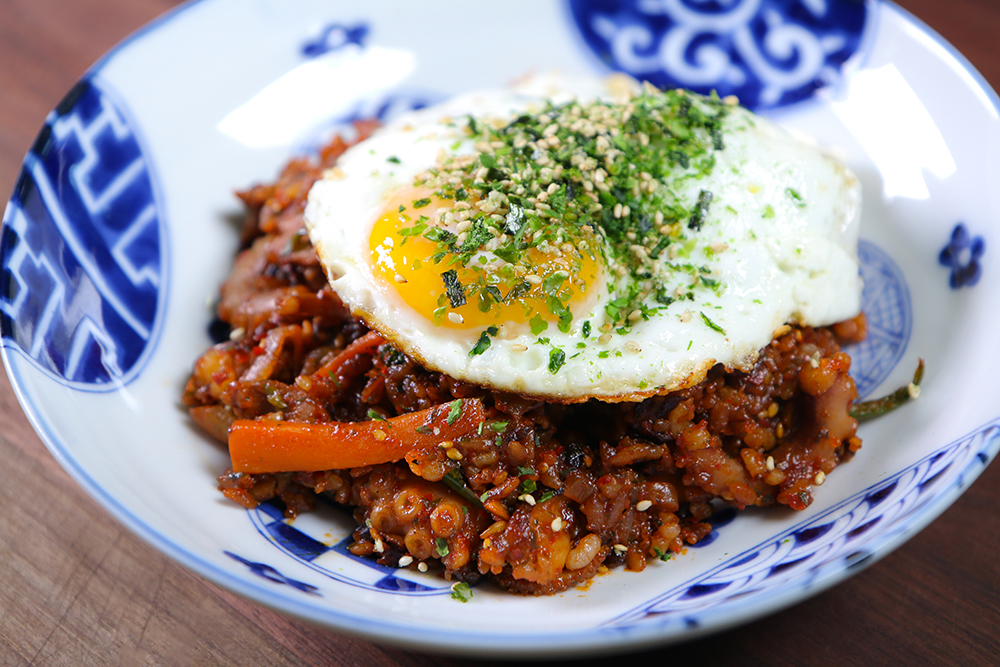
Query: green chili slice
x: 881, y: 406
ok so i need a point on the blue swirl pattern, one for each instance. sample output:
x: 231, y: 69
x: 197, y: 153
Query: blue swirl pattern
x: 769, y: 53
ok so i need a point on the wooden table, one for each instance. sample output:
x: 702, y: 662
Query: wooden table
x: 76, y: 588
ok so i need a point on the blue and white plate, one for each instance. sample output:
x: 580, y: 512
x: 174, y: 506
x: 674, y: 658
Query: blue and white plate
x: 119, y: 232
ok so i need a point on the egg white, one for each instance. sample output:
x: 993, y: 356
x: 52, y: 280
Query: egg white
x: 780, y: 238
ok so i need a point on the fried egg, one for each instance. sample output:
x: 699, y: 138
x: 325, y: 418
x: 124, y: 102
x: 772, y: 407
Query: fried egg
x: 574, y: 247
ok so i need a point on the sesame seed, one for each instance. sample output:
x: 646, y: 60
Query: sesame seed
x: 770, y: 463
x: 237, y: 333
x: 379, y: 545
x: 633, y: 346
x: 380, y: 434
x: 620, y: 548
x: 528, y: 498
x: 686, y: 316
x: 447, y: 444
x: 422, y: 566
x: 781, y: 331
x: 405, y: 560
x: 635, y: 315
x: 533, y: 279
x: 399, y: 279
x: 454, y: 455
x: 463, y: 226
x: 517, y: 347
x: 557, y: 524
x: 604, y: 339
x: 643, y: 505
x: 819, y: 478
x: 455, y: 318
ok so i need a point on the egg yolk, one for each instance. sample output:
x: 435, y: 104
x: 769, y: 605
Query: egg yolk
x: 542, y: 284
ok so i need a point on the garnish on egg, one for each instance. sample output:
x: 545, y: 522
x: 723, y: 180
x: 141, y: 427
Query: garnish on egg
x: 559, y: 249
x: 547, y: 199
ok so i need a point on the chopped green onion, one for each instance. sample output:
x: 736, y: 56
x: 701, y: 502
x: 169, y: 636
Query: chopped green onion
x: 556, y: 360
x: 461, y: 591
x: 441, y: 545
x: 712, y: 325
x: 454, y: 412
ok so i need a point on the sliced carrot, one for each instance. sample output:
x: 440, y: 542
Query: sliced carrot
x: 257, y: 446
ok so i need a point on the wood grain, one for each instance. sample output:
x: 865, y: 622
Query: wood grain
x: 76, y: 588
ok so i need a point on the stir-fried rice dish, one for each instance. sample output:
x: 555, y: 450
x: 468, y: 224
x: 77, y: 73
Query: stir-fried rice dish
x: 530, y: 336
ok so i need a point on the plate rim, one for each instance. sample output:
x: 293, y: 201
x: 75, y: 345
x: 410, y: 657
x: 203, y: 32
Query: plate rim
x: 455, y: 640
